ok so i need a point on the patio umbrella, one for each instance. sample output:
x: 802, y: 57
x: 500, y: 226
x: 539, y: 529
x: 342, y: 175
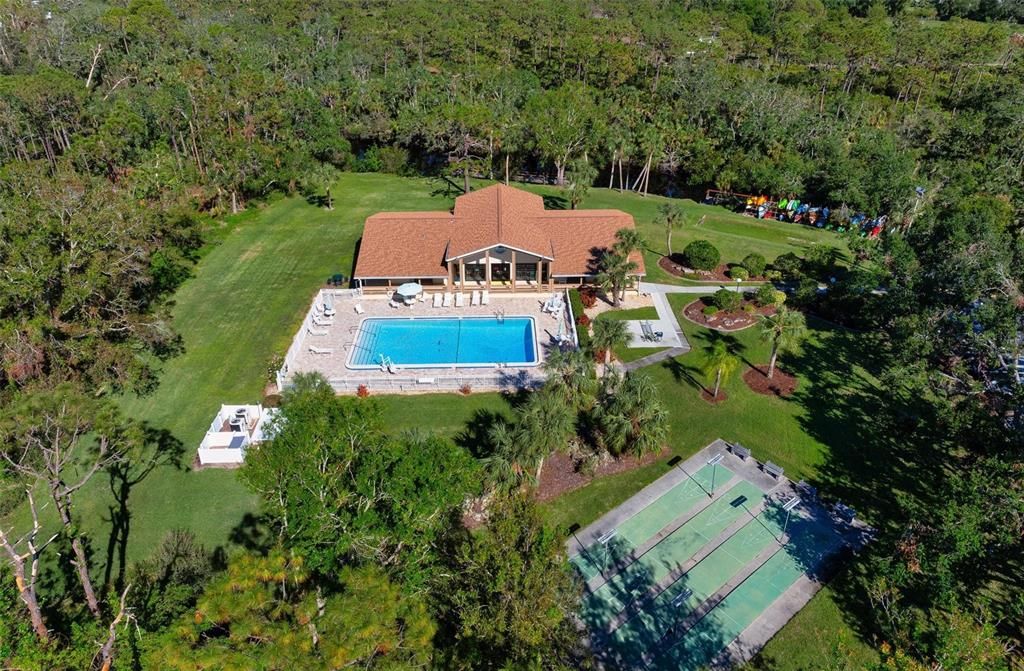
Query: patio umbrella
x: 410, y: 290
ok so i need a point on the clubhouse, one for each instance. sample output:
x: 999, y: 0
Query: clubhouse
x: 499, y: 238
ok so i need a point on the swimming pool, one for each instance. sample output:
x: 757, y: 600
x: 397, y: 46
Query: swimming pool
x: 445, y: 342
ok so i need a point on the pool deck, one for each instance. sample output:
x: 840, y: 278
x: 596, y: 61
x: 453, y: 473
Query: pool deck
x: 334, y: 340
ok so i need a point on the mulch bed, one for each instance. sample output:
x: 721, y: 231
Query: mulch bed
x: 706, y: 395
x: 560, y: 473
x: 733, y: 320
x: 781, y: 384
x: 719, y: 274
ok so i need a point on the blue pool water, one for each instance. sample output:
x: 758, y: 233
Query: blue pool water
x: 430, y: 341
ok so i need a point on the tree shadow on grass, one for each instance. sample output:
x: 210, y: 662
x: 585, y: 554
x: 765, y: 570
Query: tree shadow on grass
x: 160, y: 448
x: 881, y: 450
x: 732, y: 344
x: 684, y: 373
x: 555, y: 202
x: 475, y: 438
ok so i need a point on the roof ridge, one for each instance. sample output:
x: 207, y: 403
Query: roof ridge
x: 498, y: 208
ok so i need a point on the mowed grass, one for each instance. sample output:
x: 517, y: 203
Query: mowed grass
x: 249, y: 293
x: 801, y: 433
x: 242, y: 307
x: 733, y: 234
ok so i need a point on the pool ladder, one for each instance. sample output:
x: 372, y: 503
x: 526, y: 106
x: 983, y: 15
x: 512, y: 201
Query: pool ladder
x: 499, y: 314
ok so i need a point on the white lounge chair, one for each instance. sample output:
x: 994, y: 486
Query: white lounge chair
x: 485, y: 297
x: 321, y: 350
x: 393, y: 303
x: 437, y: 300
x: 474, y: 298
x: 316, y: 332
x: 447, y: 300
x: 359, y: 308
x: 424, y: 296
x: 322, y: 322
x: 460, y: 300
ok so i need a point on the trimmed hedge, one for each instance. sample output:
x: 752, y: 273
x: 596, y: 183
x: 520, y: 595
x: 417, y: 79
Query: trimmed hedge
x: 755, y: 263
x: 582, y: 332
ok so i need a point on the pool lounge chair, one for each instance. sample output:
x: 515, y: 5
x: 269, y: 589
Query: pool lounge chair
x: 393, y: 303
x: 359, y: 308
x: 322, y: 322
x: 447, y: 300
x: 316, y: 332
x: 474, y: 298
x: 321, y: 350
x: 460, y: 300
x: 437, y: 300
x: 485, y: 297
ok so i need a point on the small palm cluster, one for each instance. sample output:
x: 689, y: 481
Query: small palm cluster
x: 616, y: 415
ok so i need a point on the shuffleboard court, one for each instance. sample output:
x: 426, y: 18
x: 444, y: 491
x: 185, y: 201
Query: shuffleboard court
x: 706, y: 575
x: 635, y: 531
x: 809, y: 543
x: 669, y: 555
x: 669, y: 609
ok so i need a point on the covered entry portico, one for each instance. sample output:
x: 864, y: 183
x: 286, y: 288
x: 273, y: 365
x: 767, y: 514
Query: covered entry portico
x: 500, y: 268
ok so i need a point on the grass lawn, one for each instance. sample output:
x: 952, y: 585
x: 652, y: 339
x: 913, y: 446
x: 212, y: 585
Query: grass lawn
x: 734, y: 235
x: 801, y: 433
x: 249, y: 293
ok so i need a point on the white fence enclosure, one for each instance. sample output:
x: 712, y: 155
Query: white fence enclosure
x: 233, y: 429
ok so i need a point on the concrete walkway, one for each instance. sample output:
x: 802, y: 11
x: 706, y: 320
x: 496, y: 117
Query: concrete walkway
x: 667, y: 316
x: 707, y: 289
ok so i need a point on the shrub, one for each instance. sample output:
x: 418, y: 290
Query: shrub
x: 772, y: 275
x: 273, y: 366
x: 583, y: 321
x: 778, y: 298
x: 466, y: 389
x: 755, y: 263
x: 588, y: 296
x: 789, y: 265
x: 749, y: 308
x: 726, y: 300
x: 393, y: 160
x: 702, y: 255
x: 576, y: 302
x: 739, y: 273
x: 765, y: 295
x: 362, y: 391
x: 710, y: 310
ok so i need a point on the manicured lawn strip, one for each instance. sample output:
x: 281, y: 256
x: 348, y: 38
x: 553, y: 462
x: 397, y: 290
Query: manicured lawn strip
x: 445, y: 414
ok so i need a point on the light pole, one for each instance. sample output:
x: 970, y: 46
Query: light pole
x: 713, y: 463
x: 788, y: 507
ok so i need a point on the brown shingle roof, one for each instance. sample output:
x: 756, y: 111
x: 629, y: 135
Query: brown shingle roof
x: 417, y: 244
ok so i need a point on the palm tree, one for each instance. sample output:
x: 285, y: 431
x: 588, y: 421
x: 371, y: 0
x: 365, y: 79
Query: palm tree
x: 671, y: 217
x: 721, y: 363
x: 545, y: 426
x: 571, y: 376
x: 627, y: 241
x: 504, y: 466
x: 783, y: 330
x: 609, y: 334
x: 632, y: 417
x: 614, y: 274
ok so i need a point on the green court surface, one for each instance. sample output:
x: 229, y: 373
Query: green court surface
x: 808, y: 544
x: 649, y: 626
x: 668, y: 555
x: 636, y: 530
